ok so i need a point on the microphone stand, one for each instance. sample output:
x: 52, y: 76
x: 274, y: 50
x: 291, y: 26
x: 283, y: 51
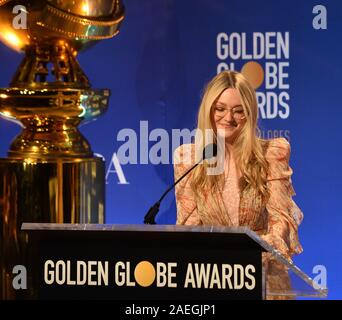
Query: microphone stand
x: 153, y: 211
x: 209, y: 151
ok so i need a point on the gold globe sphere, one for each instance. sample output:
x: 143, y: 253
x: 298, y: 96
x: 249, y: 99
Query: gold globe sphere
x: 49, y: 94
x: 79, y: 23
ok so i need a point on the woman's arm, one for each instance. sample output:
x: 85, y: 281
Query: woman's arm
x: 282, y: 223
x: 185, y: 199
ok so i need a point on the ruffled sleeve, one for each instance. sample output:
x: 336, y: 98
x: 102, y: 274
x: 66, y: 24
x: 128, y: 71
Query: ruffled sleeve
x: 284, y: 216
x: 185, y: 199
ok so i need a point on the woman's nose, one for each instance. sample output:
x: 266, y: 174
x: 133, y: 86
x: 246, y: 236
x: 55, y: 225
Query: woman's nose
x: 228, y: 116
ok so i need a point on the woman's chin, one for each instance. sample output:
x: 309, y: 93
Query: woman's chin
x: 227, y: 133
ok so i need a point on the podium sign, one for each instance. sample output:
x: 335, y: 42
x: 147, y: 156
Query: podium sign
x: 135, y: 262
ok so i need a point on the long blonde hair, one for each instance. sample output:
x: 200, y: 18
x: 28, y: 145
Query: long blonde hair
x: 248, y: 147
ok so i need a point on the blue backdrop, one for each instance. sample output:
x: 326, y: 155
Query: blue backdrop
x: 156, y: 69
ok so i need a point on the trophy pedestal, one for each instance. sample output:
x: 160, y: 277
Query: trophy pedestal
x: 57, y: 190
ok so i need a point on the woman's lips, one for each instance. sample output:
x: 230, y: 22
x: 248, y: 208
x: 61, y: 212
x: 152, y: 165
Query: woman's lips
x: 228, y: 127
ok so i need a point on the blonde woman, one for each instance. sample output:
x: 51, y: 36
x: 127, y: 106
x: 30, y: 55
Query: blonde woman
x: 255, y: 188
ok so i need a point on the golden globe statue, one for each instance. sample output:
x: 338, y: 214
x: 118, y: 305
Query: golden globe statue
x: 51, y: 173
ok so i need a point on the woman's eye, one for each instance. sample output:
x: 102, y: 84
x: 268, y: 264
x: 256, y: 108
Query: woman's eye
x: 219, y: 109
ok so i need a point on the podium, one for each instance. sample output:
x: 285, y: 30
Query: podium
x: 155, y: 262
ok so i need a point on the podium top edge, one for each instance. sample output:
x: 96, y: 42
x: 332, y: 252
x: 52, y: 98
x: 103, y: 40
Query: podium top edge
x: 135, y: 227
x: 166, y: 228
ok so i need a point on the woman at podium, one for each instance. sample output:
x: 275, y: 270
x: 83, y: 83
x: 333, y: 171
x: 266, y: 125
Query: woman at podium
x: 255, y: 188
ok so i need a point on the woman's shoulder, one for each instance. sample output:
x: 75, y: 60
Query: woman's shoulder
x: 277, y: 149
x: 185, y: 153
x: 278, y: 156
x: 185, y: 148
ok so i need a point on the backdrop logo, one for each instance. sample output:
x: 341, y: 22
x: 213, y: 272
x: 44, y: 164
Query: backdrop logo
x: 264, y: 59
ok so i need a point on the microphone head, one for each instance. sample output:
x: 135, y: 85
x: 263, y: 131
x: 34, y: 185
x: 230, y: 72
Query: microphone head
x: 210, y: 151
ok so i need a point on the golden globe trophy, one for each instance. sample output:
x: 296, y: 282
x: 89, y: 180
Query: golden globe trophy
x: 51, y: 173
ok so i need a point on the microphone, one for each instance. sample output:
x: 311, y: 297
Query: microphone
x: 209, y: 151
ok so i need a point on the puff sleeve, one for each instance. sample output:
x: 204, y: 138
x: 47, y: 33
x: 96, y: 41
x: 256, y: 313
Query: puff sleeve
x: 284, y: 216
x: 185, y: 199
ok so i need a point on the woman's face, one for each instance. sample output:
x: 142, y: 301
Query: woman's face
x: 228, y: 114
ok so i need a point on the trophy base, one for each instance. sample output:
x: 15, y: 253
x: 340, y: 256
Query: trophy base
x: 44, y: 190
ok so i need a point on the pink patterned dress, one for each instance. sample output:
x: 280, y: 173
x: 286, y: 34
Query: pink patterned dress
x: 276, y: 221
